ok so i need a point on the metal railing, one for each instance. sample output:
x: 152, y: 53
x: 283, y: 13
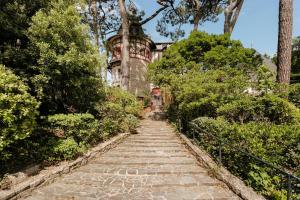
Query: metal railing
x: 292, y: 183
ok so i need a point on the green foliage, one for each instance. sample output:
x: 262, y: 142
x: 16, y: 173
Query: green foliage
x: 201, y: 94
x: 234, y: 101
x: 295, y: 68
x: 18, y: 110
x: 276, y: 144
x: 82, y: 127
x: 16, y: 52
x: 202, y: 51
x: 269, y: 108
x: 182, y: 12
x: 52, y: 52
x: 119, y: 112
x: 294, y: 94
x: 66, y: 80
x: 62, y: 149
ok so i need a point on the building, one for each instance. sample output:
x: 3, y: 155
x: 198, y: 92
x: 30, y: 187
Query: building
x: 143, y: 51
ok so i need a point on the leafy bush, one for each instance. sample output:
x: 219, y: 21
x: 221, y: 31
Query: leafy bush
x: 81, y: 127
x: 294, y: 94
x: 268, y: 108
x: 276, y: 144
x: 119, y: 112
x: 62, y: 149
x: 18, y: 110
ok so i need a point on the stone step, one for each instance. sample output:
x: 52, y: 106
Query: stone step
x: 149, y: 170
x: 149, y: 150
x: 133, y: 145
x: 141, y: 137
x: 153, y: 164
x: 145, y: 161
x: 156, y: 154
x: 119, y: 148
x: 158, y: 141
x: 92, y: 192
x: 135, y: 180
x: 144, y: 166
x: 151, y: 142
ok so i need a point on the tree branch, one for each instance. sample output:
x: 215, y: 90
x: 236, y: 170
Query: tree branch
x: 237, y: 12
x: 153, y: 15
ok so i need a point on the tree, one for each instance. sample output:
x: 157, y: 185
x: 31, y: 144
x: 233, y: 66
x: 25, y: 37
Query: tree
x: 103, y: 18
x: 125, y: 42
x: 16, y: 52
x: 125, y: 36
x: 284, y: 52
x: 194, y: 12
x: 202, y: 52
x: 231, y: 13
x: 66, y: 81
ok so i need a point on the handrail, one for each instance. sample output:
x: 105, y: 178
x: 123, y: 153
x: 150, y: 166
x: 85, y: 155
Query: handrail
x: 221, y: 144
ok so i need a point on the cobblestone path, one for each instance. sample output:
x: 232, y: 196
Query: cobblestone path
x: 151, y: 165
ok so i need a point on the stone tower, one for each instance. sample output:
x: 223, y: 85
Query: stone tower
x: 141, y: 47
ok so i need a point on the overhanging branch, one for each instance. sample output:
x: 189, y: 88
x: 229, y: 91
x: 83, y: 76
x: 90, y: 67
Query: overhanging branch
x: 153, y: 15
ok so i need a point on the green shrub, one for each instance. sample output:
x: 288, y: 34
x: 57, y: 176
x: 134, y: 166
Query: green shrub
x: 18, y: 110
x: 276, y: 144
x: 269, y: 108
x: 82, y: 127
x: 201, y: 94
x: 294, y: 94
x: 120, y: 111
x: 279, y: 110
x: 241, y: 110
x: 57, y: 149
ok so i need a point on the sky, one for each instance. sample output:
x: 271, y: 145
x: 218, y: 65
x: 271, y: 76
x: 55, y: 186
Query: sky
x: 257, y: 26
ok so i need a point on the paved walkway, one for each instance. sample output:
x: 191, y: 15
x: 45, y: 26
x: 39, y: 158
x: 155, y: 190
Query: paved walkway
x: 151, y: 165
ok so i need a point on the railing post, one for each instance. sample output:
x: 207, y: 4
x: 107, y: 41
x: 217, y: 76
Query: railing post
x: 220, y: 152
x: 194, y: 135
x: 289, y: 194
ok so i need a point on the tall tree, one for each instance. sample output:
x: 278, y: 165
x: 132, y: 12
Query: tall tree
x: 93, y: 9
x: 16, y: 52
x: 125, y: 65
x: 125, y: 45
x: 103, y: 18
x: 232, y: 12
x: 284, y: 53
x: 66, y: 79
x: 193, y: 12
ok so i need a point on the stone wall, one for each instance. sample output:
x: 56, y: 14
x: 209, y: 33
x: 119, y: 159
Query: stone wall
x: 139, y: 85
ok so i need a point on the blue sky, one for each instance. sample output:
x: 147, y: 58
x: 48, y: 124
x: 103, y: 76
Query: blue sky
x: 257, y: 25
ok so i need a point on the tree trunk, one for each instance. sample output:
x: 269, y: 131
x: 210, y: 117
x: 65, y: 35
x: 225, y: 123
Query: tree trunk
x: 284, y: 53
x: 94, y: 14
x: 125, y: 49
x: 196, y: 14
x: 232, y: 12
x: 228, y: 14
x: 196, y: 22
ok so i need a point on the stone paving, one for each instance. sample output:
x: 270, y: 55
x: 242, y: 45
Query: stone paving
x: 151, y: 165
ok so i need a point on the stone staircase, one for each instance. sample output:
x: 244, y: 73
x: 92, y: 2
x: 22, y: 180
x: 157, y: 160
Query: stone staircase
x: 153, y: 164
